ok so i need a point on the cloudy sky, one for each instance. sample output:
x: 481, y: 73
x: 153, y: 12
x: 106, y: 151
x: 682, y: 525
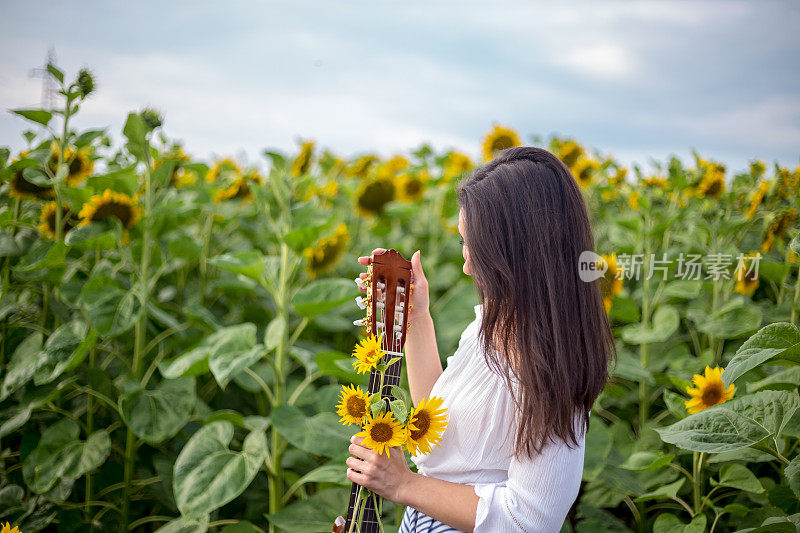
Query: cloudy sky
x: 632, y: 79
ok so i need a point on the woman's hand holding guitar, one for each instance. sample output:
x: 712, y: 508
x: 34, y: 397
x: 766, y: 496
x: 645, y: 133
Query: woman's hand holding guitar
x: 419, y: 299
x: 385, y: 476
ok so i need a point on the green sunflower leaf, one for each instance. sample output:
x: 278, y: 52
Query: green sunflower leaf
x: 735, y: 424
x: 666, y: 491
x: 312, y: 514
x: 779, y: 341
x: 39, y: 116
x: 185, y: 525
x: 155, y: 415
x: 60, y: 455
x: 665, y: 322
x: 208, y: 474
x: 223, y: 343
x: 24, y: 363
x: 321, y: 296
x: 112, y: 310
x: 64, y: 350
x: 792, y: 473
x: 321, y: 434
x: 738, y: 477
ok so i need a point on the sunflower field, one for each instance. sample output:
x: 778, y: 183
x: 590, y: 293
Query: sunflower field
x: 176, y: 333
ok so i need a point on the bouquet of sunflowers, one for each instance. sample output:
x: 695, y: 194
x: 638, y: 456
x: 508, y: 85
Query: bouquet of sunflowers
x: 414, y: 428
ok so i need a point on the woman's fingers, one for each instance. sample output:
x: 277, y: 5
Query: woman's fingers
x: 364, y: 259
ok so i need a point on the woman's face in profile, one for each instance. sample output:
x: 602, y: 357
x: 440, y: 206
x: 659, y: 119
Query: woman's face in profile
x: 464, y: 250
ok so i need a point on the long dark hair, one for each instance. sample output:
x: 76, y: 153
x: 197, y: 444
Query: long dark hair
x: 526, y: 225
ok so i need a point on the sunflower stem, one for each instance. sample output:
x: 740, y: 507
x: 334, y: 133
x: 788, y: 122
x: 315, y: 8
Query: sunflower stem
x: 207, y: 225
x: 644, y: 349
x: 140, y: 333
x: 377, y: 505
x: 796, y: 297
x: 90, y: 428
x: 697, y: 463
x: 282, y: 301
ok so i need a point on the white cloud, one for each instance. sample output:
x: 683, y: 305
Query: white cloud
x: 603, y: 60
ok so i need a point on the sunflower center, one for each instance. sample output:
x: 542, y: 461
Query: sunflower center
x: 75, y: 166
x: 113, y: 209
x: 381, y: 432
x: 502, y: 142
x: 413, y: 187
x: 712, y: 394
x: 423, y: 422
x: 356, y: 407
x: 714, y: 188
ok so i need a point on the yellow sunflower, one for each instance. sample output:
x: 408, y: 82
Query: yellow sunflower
x: 240, y: 188
x: 787, y: 182
x: 757, y: 168
x: 382, y: 432
x: 659, y: 182
x: 362, y: 166
x: 303, y: 160
x: 584, y: 170
x: 497, y: 140
x: 327, y: 252
x: 746, y: 281
x: 619, y: 176
x: 181, y: 176
x: 373, y: 195
x: 777, y: 228
x: 611, y: 282
x: 758, y: 197
x: 425, y: 426
x: 330, y: 163
x: 79, y: 164
x: 19, y: 187
x: 392, y: 166
x: 328, y: 191
x: 633, y: 200
x: 713, y: 182
x: 222, y: 167
x: 367, y: 353
x: 47, y: 220
x: 411, y: 187
x: 569, y: 152
x: 111, y: 204
x: 709, y: 390
x: 456, y: 165
x: 353, y: 405
x: 8, y: 529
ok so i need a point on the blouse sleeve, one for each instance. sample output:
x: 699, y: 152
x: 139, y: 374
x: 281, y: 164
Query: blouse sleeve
x: 538, y: 494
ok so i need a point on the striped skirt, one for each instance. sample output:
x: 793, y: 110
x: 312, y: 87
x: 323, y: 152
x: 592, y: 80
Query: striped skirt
x: 417, y: 522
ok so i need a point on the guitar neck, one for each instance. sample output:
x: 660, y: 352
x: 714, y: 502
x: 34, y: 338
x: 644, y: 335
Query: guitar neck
x: 388, y: 313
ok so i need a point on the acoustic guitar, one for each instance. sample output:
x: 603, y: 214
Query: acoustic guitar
x: 388, y: 289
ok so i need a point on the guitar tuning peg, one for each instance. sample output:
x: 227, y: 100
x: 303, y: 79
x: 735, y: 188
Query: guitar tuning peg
x: 360, y: 283
x: 360, y: 302
x: 359, y: 322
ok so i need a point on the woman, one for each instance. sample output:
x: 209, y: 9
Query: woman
x: 520, y: 386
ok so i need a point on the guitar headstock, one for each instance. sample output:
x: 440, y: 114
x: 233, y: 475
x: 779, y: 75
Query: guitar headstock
x: 388, y: 287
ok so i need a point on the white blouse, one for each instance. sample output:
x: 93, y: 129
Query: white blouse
x: 530, y: 495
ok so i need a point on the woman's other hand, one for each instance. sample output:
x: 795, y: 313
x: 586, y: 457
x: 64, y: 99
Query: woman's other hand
x: 420, y: 300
